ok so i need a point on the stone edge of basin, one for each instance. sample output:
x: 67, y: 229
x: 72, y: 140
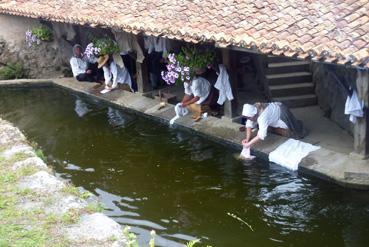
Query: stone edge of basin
x: 53, y: 195
x: 329, y: 165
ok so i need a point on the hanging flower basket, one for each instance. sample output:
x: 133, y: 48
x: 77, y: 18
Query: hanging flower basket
x: 101, y: 47
x: 185, y: 65
x: 38, y: 34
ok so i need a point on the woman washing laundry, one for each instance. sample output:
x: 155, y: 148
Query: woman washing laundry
x: 114, y: 72
x: 196, y: 93
x: 274, y: 116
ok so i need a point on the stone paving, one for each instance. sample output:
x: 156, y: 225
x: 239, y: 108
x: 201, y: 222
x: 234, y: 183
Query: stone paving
x: 327, y: 163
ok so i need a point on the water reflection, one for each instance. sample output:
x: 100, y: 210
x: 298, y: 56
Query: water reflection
x: 81, y: 108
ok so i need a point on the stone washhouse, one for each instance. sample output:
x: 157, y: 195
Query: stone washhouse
x: 309, y: 54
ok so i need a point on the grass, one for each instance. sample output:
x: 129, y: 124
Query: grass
x: 70, y: 189
x: 95, y: 207
x: 21, y: 227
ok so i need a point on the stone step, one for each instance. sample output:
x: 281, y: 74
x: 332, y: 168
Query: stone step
x: 288, y: 67
x: 288, y: 78
x: 279, y: 59
x: 292, y: 89
x: 297, y: 101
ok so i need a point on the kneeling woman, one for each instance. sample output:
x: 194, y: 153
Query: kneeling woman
x: 114, y: 74
x: 275, y: 116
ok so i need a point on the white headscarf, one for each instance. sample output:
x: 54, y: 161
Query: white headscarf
x: 74, y: 49
x: 249, y: 110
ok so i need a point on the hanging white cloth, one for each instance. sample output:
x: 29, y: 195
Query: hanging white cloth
x: 223, y: 85
x: 157, y: 44
x: 354, y: 107
x: 180, y: 112
x: 127, y: 42
x: 290, y: 153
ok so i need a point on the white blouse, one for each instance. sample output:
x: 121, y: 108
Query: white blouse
x: 269, y: 117
x: 79, y: 65
x: 200, y: 87
x: 116, y: 74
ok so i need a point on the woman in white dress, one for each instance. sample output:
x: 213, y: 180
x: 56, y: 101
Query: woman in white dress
x: 114, y: 73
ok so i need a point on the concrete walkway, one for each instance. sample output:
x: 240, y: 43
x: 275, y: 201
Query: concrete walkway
x: 331, y: 162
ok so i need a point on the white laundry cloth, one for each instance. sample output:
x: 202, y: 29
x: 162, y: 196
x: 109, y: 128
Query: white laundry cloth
x: 354, y: 107
x: 81, y: 108
x: 223, y: 85
x: 245, y: 154
x: 180, y: 112
x: 290, y: 153
x: 127, y: 42
x: 158, y: 44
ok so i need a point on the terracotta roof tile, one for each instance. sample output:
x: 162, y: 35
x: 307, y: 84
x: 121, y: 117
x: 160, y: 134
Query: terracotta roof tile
x: 331, y: 29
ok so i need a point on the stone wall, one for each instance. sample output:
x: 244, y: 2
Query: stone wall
x: 331, y: 87
x: 49, y: 59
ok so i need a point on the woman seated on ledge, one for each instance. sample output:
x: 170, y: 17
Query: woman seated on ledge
x: 83, y: 69
x: 274, y: 116
x: 196, y: 92
x: 114, y: 74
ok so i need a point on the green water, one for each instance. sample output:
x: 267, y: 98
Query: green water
x: 151, y: 176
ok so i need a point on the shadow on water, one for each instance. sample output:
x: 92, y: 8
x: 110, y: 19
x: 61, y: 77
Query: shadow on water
x: 150, y: 176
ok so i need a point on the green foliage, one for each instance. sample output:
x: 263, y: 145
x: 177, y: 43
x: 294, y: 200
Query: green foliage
x: 131, y: 237
x: 106, y: 45
x: 16, y: 235
x: 12, y: 71
x: 70, y: 217
x: 43, y: 33
x: 95, y: 207
x: 192, y: 243
x: 195, y: 59
x: 40, y: 154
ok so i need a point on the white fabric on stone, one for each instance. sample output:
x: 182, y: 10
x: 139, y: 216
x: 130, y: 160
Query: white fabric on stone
x: 180, y: 112
x: 115, y: 74
x: 354, y: 107
x: 223, y: 85
x: 127, y: 42
x: 200, y: 87
x: 290, y: 153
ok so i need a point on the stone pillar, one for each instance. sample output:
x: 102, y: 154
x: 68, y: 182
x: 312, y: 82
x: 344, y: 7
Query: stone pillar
x: 361, y: 128
x: 230, y: 107
x: 142, y: 72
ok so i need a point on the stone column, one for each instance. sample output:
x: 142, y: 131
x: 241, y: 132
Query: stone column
x: 230, y: 107
x: 142, y: 72
x: 361, y: 128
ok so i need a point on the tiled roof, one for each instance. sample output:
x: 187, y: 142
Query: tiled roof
x: 328, y: 30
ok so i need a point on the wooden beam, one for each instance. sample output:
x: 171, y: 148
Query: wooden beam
x: 142, y: 75
x: 230, y: 107
x: 142, y: 72
x: 361, y: 128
